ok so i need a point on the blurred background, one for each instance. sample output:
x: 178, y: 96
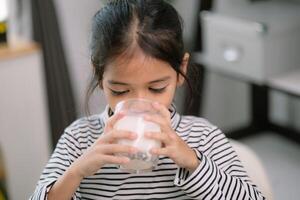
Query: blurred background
x: 247, y: 57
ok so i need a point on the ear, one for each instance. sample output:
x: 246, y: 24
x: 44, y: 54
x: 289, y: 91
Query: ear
x: 183, y: 68
x: 101, y: 84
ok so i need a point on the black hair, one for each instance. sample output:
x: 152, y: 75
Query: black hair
x: 154, y: 25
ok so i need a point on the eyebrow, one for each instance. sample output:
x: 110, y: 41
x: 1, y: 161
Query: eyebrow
x: 112, y: 82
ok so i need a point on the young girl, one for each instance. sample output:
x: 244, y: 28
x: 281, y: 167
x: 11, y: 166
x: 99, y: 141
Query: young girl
x: 137, y: 52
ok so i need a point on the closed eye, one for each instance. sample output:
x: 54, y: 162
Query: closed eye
x: 157, y: 90
x: 118, y: 93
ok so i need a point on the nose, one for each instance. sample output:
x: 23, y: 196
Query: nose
x: 141, y: 95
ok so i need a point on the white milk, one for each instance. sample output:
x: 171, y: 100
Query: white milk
x: 137, y: 124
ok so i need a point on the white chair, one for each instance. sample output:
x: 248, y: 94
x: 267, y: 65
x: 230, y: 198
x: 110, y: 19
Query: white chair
x: 254, y: 168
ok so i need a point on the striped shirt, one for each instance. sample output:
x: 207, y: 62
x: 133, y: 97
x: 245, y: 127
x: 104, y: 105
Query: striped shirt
x: 220, y: 174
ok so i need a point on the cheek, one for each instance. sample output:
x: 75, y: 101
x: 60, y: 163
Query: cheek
x: 167, y: 98
x: 110, y: 99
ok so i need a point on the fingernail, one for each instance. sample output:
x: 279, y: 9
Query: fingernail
x: 133, y: 135
x: 121, y: 113
x: 126, y: 160
x: 147, y: 134
x: 155, y: 104
x: 153, y: 151
x: 134, y: 150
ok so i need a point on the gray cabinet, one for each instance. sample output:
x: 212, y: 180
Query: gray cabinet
x: 24, y: 133
x: 256, y: 42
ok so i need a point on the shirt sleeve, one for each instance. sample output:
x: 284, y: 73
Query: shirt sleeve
x: 220, y: 174
x: 66, y: 151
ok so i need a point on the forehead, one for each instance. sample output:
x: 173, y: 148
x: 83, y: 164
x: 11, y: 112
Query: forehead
x: 137, y: 67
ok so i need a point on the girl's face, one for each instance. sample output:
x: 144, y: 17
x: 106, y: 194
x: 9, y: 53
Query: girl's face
x: 141, y: 76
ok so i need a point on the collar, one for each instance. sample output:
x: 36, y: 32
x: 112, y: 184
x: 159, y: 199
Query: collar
x: 175, y: 116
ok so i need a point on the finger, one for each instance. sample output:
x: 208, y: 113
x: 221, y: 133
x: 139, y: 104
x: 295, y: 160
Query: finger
x: 161, y: 151
x: 117, y: 148
x: 162, y: 110
x: 158, y: 136
x: 164, y: 125
x: 117, y: 135
x: 112, y: 120
x: 114, y: 159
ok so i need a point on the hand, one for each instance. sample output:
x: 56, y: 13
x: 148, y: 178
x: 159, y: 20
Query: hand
x: 105, y: 150
x: 173, y: 146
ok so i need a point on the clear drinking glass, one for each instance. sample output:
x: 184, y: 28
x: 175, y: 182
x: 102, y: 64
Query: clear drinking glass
x: 133, y: 121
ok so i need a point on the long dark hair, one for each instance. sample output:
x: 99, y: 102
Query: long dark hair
x: 153, y: 25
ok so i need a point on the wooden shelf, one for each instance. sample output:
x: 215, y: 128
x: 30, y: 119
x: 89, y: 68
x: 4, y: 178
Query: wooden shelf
x: 7, y: 52
x: 289, y: 82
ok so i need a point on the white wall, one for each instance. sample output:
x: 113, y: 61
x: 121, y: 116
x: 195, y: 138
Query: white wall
x: 19, y: 22
x: 75, y: 23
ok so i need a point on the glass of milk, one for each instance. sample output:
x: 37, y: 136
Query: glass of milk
x: 133, y: 121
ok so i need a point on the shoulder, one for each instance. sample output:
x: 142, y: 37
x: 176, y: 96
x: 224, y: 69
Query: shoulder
x: 79, y: 135
x: 90, y: 126
x: 194, y: 123
x: 197, y: 130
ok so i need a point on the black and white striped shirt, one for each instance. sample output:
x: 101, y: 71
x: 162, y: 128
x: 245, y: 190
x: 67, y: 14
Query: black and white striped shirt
x: 219, y: 175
